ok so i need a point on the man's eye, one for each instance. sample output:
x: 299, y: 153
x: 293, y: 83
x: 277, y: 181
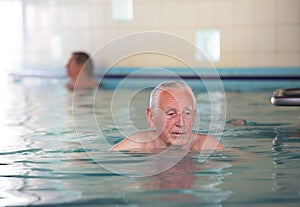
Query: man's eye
x: 187, y: 113
x: 171, y: 113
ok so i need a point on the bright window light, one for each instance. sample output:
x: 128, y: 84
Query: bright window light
x: 122, y: 10
x: 11, y: 30
x: 208, y: 45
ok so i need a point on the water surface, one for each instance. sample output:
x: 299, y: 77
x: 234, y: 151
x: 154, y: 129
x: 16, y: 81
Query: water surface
x: 54, y: 151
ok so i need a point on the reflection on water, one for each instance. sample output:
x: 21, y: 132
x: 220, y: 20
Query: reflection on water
x: 52, y: 149
x: 286, y: 147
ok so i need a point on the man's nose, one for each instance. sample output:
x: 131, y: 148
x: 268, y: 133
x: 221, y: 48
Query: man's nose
x: 179, y: 120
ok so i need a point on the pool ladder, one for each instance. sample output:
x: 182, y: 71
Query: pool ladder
x: 286, y: 97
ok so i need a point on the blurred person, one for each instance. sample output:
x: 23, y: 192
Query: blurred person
x: 80, y: 70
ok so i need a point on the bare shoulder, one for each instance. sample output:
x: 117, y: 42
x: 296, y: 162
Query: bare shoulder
x: 135, y: 141
x: 206, y: 142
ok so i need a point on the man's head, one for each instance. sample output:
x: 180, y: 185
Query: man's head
x: 172, y: 112
x: 78, y: 61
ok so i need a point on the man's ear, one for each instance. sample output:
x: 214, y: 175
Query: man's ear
x: 150, y: 117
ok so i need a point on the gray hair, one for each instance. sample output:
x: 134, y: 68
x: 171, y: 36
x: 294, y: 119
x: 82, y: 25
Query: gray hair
x: 168, y: 85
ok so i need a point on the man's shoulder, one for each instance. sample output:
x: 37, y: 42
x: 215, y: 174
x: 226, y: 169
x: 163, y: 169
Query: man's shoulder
x: 207, y: 142
x: 134, y: 141
x: 142, y: 136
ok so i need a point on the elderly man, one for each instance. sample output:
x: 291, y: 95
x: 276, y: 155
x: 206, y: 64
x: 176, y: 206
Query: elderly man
x: 80, y: 70
x: 171, y: 113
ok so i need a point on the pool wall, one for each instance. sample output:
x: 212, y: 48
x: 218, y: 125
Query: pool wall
x: 233, y: 79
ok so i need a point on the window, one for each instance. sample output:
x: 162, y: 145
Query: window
x: 122, y: 10
x: 11, y: 30
x: 208, y: 45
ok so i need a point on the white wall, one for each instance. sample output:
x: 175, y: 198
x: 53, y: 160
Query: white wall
x: 254, y: 33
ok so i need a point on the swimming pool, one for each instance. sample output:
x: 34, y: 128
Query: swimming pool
x: 45, y: 161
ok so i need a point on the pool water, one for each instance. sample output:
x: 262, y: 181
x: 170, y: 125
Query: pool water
x: 54, y: 151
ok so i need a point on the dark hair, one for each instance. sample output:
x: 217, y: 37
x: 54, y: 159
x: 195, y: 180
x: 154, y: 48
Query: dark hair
x: 82, y: 58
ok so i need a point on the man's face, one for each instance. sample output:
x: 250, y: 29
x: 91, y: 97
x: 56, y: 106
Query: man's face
x: 73, y: 69
x: 174, y: 119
